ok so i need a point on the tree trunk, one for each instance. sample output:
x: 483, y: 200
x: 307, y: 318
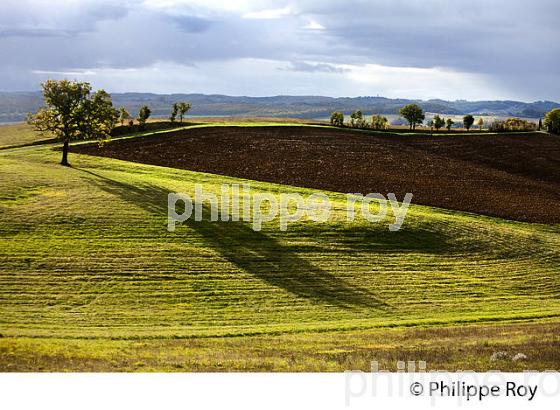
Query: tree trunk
x: 65, y: 154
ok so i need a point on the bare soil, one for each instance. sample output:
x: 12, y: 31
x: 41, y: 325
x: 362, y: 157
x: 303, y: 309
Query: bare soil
x: 512, y: 176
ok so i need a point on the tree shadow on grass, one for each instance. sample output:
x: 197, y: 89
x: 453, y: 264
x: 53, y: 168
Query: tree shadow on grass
x: 377, y: 238
x: 260, y: 255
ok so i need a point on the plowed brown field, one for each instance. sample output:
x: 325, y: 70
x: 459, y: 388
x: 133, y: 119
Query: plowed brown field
x: 513, y: 176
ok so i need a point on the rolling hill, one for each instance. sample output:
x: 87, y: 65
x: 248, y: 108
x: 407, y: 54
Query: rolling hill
x: 92, y: 280
x: 14, y: 106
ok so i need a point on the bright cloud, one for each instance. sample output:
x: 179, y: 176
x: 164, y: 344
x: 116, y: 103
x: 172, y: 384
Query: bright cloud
x: 268, y: 14
x: 313, y: 25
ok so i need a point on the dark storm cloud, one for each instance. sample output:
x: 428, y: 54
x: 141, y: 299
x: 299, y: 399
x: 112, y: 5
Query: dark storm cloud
x: 513, y: 42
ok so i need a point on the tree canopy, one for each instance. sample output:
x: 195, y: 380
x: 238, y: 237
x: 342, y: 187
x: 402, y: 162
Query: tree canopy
x: 512, y: 124
x: 438, y: 122
x: 468, y: 121
x: 183, y: 107
x: 123, y: 115
x: 71, y: 112
x: 174, y: 112
x: 413, y: 114
x: 143, y: 115
x: 379, y: 122
x: 552, y: 121
x: 337, y: 119
x: 357, y: 119
x: 449, y: 123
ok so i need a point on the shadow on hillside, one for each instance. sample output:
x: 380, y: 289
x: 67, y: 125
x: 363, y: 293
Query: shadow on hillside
x: 377, y: 238
x: 254, y: 252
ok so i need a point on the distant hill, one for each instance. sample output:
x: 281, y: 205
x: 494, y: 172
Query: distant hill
x: 15, y: 105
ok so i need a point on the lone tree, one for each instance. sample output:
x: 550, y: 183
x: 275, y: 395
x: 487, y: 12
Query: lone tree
x: 449, y: 123
x: 438, y: 122
x: 552, y: 121
x: 540, y: 125
x: 174, y: 112
x: 143, y: 115
x: 337, y: 119
x: 413, y: 114
x: 183, y: 108
x: 468, y: 121
x: 71, y: 112
x: 480, y: 123
x: 123, y: 115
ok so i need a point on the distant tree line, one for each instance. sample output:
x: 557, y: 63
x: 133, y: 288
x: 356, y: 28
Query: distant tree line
x: 414, y: 115
x: 144, y: 113
x: 357, y: 120
x: 512, y: 124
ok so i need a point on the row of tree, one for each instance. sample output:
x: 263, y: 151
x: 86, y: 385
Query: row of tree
x: 414, y: 115
x: 179, y: 109
x: 514, y: 124
x: 73, y: 112
x: 143, y: 114
x: 411, y: 112
x: 357, y: 120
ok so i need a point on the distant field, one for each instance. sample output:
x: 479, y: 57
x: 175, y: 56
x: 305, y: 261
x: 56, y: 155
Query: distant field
x: 19, y: 134
x: 92, y: 280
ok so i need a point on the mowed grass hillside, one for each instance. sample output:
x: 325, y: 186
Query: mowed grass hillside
x: 20, y: 134
x: 92, y: 280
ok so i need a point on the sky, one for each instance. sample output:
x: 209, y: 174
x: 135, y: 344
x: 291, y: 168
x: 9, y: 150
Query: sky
x: 454, y: 49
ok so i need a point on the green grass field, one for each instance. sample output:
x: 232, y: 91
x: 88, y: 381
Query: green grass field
x: 92, y: 280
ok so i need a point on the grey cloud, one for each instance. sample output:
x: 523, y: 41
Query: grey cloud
x: 473, y: 35
x: 36, y: 18
x: 35, y: 32
x: 514, y: 40
x: 314, y: 67
x: 191, y: 24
